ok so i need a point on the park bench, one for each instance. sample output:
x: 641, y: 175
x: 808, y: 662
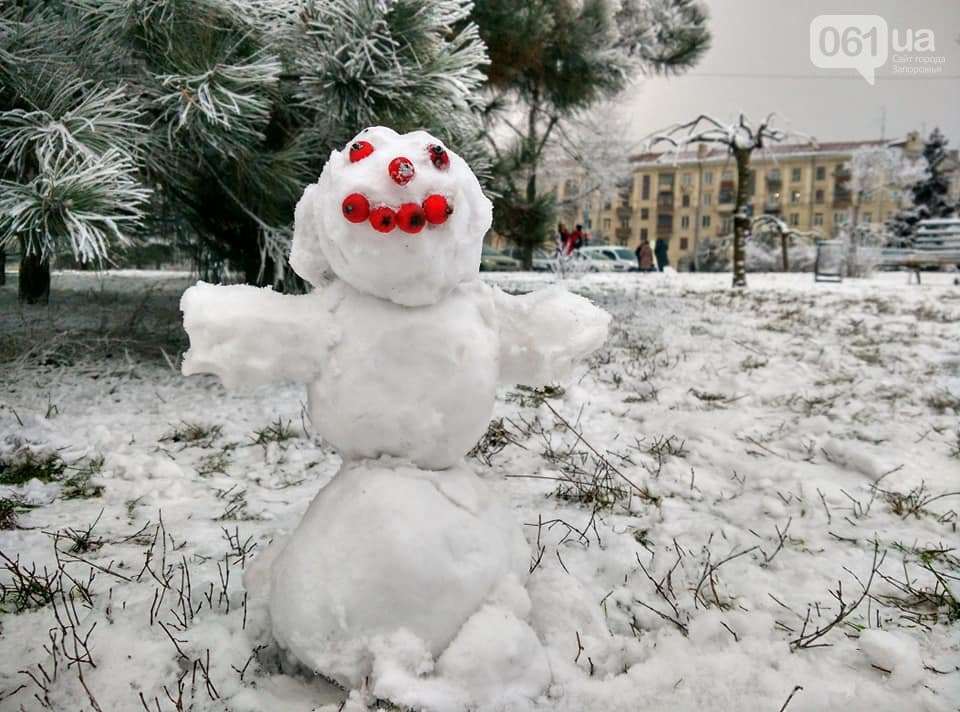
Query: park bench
x: 936, y: 245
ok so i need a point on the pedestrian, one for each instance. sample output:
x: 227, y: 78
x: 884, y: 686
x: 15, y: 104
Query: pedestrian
x: 660, y: 252
x: 644, y: 256
x: 570, y: 242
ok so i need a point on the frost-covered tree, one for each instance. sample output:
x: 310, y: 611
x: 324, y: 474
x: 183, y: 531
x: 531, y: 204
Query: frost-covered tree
x: 769, y: 233
x: 881, y: 169
x: 238, y: 102
x: 550, y: 60
x: 70, y: 146
x: 741, y: 139
x: 930, y: 193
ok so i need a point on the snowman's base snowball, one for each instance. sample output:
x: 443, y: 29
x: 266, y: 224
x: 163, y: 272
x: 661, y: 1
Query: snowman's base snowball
x: 393, y: 568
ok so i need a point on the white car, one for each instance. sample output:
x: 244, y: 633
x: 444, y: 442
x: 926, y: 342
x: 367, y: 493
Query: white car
x: 609, y: 258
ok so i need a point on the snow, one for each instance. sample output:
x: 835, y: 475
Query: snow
x: 769, y: 396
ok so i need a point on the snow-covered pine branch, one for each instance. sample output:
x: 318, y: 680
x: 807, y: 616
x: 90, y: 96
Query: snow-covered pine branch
x: 85, y: 202
x: 401, y: 63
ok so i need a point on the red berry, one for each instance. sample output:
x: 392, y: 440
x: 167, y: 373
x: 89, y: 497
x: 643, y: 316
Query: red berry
x: 356, y: 207
x: 410, y: 218
x: 436, y: 209
x: 360, y: 150
x: 383, y: 219
x: 438, y: 156
x: 401, y: 170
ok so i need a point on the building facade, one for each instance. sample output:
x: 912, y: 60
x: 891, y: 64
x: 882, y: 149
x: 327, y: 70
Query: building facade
x: 689, y: 197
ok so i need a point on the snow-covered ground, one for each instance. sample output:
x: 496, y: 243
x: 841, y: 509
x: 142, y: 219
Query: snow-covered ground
x: 705, y: 506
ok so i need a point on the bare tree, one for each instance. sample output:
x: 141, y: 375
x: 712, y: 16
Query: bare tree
x: 741, y: 139
x: 776, y: 226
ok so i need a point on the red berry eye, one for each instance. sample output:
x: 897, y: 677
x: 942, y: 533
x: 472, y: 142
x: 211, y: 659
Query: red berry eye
x: 356, y: 208
x: 439, y: 157
x: 360, y: 150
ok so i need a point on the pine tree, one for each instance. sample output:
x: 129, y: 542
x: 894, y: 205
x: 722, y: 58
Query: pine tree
x: 69, y: 146
x: 550, y: 60
x: 930, y: 194
x: 237, y: 103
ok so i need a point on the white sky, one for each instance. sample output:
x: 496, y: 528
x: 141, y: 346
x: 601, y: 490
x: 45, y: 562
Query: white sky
x: 754, y: 38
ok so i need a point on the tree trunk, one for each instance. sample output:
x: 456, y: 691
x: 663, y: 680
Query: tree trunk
x: 741, y: 222
x: 3, y: 267
x: 784, y: 239
x: 34, y: 283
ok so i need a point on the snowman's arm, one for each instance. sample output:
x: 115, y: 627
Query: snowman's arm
x: 545, y: 334
x: 249, y: 336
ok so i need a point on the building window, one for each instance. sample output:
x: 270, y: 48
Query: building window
x: 644, y: 235
x: 868, y: 217
x: 795, y: 174
x: 645, y: 187
x: 684, y: 242
x: 607, y: 205
x: 685, y: 222
x: 644, y: 213
x: 708, y: 178
x: 625, y: 224
x: 665, y: 221
x: 706, y: 221
x: 821, y: 172
x: 685, y: 200
x: 773, y: 174
x: 840, y: 217
x: 725, y: 226
x: 727, y: 175
x: 819, y: 196
x: 665, y: 180
x: 818, y: 218
x: 707, y: 198
x: 686, y: 179
x: 795, y: 197
x: 606, y: 223
x: 794, y: 219
x: 569, y: 187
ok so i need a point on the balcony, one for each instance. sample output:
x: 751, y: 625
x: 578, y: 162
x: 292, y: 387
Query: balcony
x: 624, y: 211
x: 665, y: 203
x: 842, y: 198
x: 841, y: 173
x: 664, y: 230
x: 726, y: 196
x: 622, y: 234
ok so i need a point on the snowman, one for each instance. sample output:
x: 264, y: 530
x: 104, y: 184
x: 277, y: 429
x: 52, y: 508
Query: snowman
x: 405, y: 575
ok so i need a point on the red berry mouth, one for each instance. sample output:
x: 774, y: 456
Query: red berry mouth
x: 409, y: 217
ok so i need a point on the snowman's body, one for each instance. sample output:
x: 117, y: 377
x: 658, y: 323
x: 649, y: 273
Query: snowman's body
x: 401, y: 387
x: 406, y: 563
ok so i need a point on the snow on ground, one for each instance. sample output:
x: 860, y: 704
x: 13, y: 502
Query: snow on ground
x: 723, y: 471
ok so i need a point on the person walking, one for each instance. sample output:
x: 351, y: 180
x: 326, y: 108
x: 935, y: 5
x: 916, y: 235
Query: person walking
x: 660, y: 252
x: 644, y: 256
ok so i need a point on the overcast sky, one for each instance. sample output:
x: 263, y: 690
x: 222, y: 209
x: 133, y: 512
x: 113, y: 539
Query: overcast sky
x: 753, y: 39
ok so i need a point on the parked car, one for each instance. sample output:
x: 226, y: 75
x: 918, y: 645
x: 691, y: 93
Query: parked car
x: 493, y: 260
x: 542, y: 262
x: 622, y: 258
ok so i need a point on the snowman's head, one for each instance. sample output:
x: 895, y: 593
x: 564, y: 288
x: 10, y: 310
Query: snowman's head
x: 401, y: 217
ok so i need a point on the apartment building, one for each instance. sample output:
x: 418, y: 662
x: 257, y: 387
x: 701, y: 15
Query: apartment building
x: 689, y: 197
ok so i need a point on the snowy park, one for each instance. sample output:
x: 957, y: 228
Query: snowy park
x: 479, y: 356
x: 742, y: 497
